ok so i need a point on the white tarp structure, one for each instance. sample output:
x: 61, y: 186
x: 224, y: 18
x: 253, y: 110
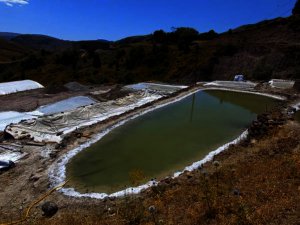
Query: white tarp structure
x: 10, y: 153
x: 156, y: 88
x: 297, y: 106
x: 284, y: 84
x: 52, y: 128
x: 69, y: 104
x: 9, y: 117
x: 16, y: 86
x: 7, y: 156
x: 66, y: 105
x: 232, y: 84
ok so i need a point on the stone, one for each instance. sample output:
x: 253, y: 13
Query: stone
x: 152, y: 209
x: 112, y: 198
x: 49, y: 209
x: 189, y: 175
x: 86, y: 134
x: 53, y: 155
x: 40, y: 170
x: 166, y: 180
x: 35, y: 177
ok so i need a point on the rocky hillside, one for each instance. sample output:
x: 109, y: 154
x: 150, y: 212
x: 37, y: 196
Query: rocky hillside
x: 269, y: 49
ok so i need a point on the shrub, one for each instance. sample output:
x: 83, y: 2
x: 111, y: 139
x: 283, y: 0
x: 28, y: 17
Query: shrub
x: 296, y: 9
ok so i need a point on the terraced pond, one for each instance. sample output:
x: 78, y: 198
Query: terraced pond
x: 164, y: 141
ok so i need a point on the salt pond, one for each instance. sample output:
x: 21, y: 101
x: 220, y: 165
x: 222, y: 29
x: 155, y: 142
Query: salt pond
x: 164, y: 141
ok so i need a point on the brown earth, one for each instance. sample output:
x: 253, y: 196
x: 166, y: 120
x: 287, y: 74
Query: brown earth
x: 30, y: 100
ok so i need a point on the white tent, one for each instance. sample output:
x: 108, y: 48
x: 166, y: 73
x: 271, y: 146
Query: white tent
x: 16, y: 86
x: 9, y: 117
x: 284, y: 84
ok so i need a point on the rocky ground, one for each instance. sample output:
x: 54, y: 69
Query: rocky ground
x: 254, y: 182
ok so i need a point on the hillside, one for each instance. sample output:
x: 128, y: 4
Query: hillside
x: 8, y: 35
x: 11, y: 52
x: 269, y: 49
x: 41, y: 42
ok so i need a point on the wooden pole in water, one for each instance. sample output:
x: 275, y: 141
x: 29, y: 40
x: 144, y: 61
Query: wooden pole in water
x: 193, y: 106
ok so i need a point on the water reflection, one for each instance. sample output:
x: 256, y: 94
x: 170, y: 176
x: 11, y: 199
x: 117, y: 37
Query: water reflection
x: 254, y: 103
x: 193, y: 106
x: 165, y: 140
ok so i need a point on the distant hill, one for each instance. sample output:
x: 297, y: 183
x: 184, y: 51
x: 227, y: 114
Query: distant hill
x: 8, y: 35
x: 133, y: 39
x: 44, y: 42
x: 268, y: 49
x: 36, y: 41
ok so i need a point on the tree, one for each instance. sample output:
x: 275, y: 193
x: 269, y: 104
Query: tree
x: 68, y: 57
x: 159, y: 36
x: 32, y: 62
x: 96, y: 61
x: 296, y: 10
x: 208, y: 35
x: 184, y: 36
x: 135, y: 57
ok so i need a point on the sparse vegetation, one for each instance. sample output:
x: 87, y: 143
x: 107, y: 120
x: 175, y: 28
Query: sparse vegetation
x: 183, y: 55
x: 296, y: 9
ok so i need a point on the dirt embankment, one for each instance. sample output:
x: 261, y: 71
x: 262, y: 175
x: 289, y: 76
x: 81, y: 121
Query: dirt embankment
x: 30, y: 100
x: 254, y: 182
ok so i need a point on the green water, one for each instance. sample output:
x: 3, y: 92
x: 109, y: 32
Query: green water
x: 165, y: 140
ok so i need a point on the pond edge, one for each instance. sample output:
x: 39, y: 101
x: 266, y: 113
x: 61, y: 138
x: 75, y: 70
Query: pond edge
x: 57, y: 172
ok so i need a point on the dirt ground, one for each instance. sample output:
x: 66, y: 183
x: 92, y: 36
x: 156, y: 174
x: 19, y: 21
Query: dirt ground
x: 30, y: 100
x: 255, y: 182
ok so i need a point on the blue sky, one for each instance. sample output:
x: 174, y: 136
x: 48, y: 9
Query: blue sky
x: 115, y: 19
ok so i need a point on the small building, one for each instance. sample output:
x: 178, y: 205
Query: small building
x: 239, y: 77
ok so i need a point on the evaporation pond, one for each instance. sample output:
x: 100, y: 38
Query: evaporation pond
x: 164, y: 141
